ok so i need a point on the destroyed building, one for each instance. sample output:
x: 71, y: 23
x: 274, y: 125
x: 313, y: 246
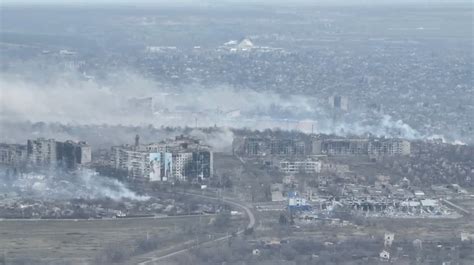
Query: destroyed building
x: 42, y: 152
x: 258, y: 146
x: 270, y: 146
x: 390, y: 147
x: 12, y: 154
x: 181, y: 159
x: 72, y: 154
x: 339, y: 102
x: 372, y: 147
x: 341, y: 146
x: 49, y: 152
x: 307, y: 166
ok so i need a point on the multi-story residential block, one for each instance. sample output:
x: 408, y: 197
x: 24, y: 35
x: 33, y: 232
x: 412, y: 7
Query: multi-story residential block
x: 42, y: 152
x: 371, y: 147
x: 342, y: 146
x: 182, y: 159
x: 389, y: 147
x: 71, y: 154
x: 308, y: 166
x: 136, y: 163
x: 49, y: 152
x: 12, y: 154
x: 259, y: 147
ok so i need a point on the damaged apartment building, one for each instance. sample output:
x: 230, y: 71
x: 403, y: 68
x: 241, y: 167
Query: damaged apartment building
x: 372, y: 147
x: 270, y: 146
x: 49, y: 152
x: 319, y: 145
x: 307, y: 166
x: 12, y: 154
x: 181, y: 159
x: 308, y: 154
x: 46, y: 153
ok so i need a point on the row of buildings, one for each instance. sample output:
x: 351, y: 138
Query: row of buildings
x: 46, y: 153
x: 373, y: 147
x: 181, y: 159
x: 270, y: 146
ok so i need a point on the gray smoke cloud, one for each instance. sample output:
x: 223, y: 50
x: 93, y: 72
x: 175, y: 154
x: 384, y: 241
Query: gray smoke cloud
x: 220, y: 139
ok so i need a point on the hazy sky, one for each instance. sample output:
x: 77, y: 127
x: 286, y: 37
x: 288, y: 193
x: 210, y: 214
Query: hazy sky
x: 220, y: 2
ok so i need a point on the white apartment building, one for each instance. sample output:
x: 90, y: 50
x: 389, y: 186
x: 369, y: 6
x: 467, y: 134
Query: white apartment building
x: 303, y: 166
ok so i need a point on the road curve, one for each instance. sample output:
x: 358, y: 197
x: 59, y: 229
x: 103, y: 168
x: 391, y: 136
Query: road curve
x: 237, y: 204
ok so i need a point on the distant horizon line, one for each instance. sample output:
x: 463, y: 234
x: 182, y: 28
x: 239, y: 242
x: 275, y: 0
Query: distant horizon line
x: 224, y: 3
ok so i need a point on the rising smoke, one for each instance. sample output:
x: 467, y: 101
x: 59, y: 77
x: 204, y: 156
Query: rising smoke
x: 70, y: 97
x: 56, y: 185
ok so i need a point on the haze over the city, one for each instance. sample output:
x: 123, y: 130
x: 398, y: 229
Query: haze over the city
x: 236, y: 132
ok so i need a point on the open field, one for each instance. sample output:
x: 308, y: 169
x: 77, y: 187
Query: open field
x: 81, y: 240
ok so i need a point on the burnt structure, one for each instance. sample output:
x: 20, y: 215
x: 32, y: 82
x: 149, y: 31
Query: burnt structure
x: 319, y: 145
x: 373, y: 147
x: 12, y: 154
x: 49, y: 153
x: 256, y: 146
x: 71, y: 154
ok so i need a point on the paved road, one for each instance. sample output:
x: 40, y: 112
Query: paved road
x: 103, y: 219
x: 237, y: 204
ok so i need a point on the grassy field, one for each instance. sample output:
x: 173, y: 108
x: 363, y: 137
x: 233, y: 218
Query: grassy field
x: 81, y: 241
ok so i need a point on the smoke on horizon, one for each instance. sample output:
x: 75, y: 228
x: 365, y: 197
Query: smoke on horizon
x: 69, y: 97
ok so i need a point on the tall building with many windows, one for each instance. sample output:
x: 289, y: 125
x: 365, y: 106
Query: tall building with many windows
x: 49, y: 152
x: 42, y: 152
x: 181, y: 159
x: 12, y: 154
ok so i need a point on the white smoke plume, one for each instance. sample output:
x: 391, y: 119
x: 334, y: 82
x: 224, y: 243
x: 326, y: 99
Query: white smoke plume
x: 69, y: 97
x: 84, y: 184
x: 220, y: 140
